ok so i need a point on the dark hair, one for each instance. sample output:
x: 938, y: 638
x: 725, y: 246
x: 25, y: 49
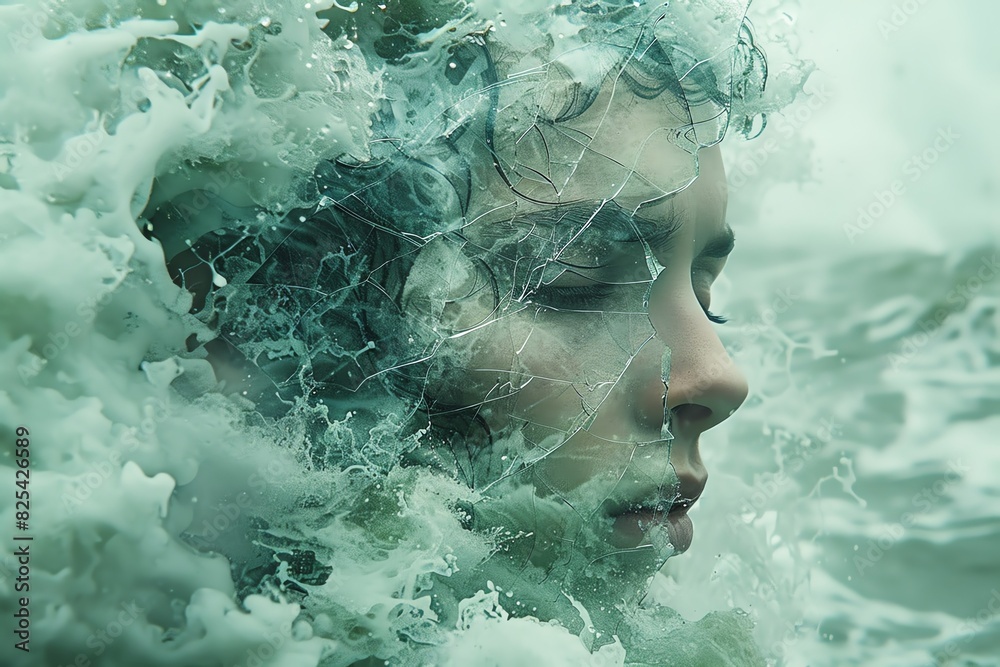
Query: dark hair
x: 314, y: 306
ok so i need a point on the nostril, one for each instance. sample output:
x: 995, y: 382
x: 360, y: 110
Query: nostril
x: 692, y: 412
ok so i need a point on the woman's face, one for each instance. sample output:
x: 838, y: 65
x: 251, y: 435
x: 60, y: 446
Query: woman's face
x: 579, y: 332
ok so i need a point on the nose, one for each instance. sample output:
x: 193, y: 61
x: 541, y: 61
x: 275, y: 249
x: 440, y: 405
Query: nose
x: 704, y: 385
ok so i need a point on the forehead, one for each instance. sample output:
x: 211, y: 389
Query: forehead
x: 685, y: 219
x: 622, y: 148
x: 701, y: 207
x: 623, y: 153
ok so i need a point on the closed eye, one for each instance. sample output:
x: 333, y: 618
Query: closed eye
x: 575, y: 297
x: 594, y: 296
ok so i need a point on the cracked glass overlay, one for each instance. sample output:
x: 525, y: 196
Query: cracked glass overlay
x: 473, y: 292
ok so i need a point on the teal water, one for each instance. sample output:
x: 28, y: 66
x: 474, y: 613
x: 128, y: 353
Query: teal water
x: 893, y: 336
x: 851, y: 512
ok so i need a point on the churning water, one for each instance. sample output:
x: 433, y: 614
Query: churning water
x: 851, y: 513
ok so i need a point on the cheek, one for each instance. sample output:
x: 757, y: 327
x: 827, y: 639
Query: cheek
x: 672, y: 302
x: 521, y: 366
x: 543, y: 371
x: 447, y: 291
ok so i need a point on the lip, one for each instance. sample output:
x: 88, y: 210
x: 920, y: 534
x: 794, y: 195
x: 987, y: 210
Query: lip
x: 633, y: 524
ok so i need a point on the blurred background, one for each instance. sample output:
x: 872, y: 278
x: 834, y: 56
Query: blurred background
x: 863, y: 298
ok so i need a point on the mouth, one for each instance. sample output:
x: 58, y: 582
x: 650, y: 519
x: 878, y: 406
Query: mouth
x: 645, y: 519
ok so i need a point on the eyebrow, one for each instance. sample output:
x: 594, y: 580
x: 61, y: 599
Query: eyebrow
x: 618, y: 223
x: 607, y: 216
x: 658, y: 235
